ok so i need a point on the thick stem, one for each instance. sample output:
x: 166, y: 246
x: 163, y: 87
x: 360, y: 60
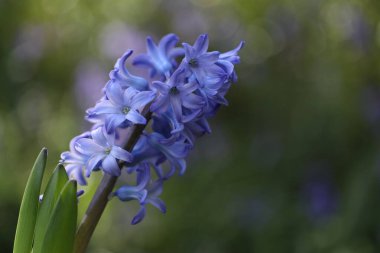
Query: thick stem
x: 101, y: 196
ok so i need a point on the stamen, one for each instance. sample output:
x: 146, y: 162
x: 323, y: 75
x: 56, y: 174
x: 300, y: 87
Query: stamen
x: 193, y: 63
x: 126, y: 109
x: 174, y: 91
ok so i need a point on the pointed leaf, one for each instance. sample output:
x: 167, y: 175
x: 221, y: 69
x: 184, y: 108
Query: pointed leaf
x: 51, y: 194
x: 61, y: 230
x: 29, y: 206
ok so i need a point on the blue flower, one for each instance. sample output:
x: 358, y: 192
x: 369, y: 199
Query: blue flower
x: 183, y: 96
x: 166, y: 124
x: 154, y: 190
x: 203, y: 64
x: 176, y: 94
x: 228, y: 59
x: 210, y: 70
x: 138, y: 192
x: 232, y: 55
x: 156, y: 149
x: 102, y: 152
x: 121, y: 75
x: 145, y: 192
x: 122, y: 107
x: 74, y: 162
x: 160, y: 59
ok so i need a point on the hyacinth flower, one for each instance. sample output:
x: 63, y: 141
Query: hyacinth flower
x: 176, y: 94
x: 121, y: 75
x: 187, y: 86
x: 161, y: 58
x: 121, y: 108
x: 102, y: 152
x: 145, y: 192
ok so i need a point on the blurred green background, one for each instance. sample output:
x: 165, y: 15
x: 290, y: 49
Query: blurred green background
x: 293, y: 162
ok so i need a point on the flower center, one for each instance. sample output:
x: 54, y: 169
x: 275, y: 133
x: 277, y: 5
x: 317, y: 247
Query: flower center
x: 193, y: 63
x: 174, y: 91
x: 126, y: 109
x: 108, y: 151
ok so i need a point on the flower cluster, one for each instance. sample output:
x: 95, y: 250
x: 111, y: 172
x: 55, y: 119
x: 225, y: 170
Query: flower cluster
x: 185, y: 87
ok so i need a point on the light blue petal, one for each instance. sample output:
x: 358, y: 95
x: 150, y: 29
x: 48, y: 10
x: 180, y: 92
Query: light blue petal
x: 161, y: 87
x: 142, y: 98
x: 168, y: 42
x: 135, y: 117
x: 128, y: 95
x: 110, y: 166
x: 128, y: 193
x: 121, y: 154
x: 93, y: 163
x: 139, y: 216
x: 112, y: 122
x: 103, y: 107
x: 88, y: 147
x: 193, y: 101
x: 201, y: 44
x: 232, y: 55
x: 176, y: 103
x: 114, y: 92
x: 98, y: 136
x: 160, y: 105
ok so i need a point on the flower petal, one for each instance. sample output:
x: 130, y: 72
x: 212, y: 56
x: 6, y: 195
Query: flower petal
x: 88, y: 147
x: 115, y: 93
x: 129, y: 93
x: 193, y: 101
x: 128, y: 193
x: 121, y: 154
x: 168, y: 42
x: 98, y: 136
x: 176, y: 103
x: 160, y: 87
x: 135, y: 117
x: 139, y: 216
x: 232, y: 55
x: 93, y: 163
x: 160, y: 105
x: 110, y: 166
x: 201, y: 44
x: 112, y: 122
x: 188, y: 87
x: 142, y: 98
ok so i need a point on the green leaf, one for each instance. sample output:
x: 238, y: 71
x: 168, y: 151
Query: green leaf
x: 61, y: 230
x: 29, y: 206
x: 56, y: 182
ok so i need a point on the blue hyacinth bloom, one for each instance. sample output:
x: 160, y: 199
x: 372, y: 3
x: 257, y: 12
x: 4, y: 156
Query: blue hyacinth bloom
x: 156, y: 149
x: 228, y: 59
x: 154, y: 190
x: 145, y: 192
x: 203, y: 64
x: 188, y: 85
x: 102, y: 152
x: 121, y: 75
x: 74, y: 162
x: 122, y: 107
x: 232, y: 55
x: 161, y: 58
x: 175, y: 93
x: 138, y: 192
x: 167, y: 124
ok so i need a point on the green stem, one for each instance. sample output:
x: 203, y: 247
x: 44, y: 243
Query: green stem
x: 101, y: 196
